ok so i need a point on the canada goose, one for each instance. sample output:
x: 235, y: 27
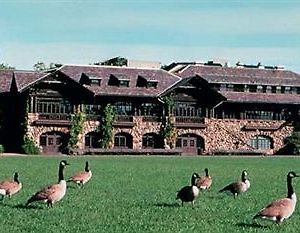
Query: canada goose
x: 238, y: 187
x: 82, y: 177
x: 204, y: 182
x: 10, y: 187
x: 52, y: 193
x: 189, y: 193
x: 281, y: 209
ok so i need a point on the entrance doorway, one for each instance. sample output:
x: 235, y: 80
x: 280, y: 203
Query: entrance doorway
x: 191, y: 144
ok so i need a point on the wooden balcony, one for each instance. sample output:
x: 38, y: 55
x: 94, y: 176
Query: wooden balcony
x: 151, y: 119
x: 123, y: 121
x: 190, y: 122
x: 53, y: 119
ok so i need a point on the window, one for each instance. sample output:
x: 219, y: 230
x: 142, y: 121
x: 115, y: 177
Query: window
x: 265, y: 115
x: 92, y: 140
x: 95, y: 82
x: 92, y: 109
x: 124, y: 108
x: 149, y: 109
x: 238, y: 88
x: 50, y: 105
x: 148, y: 141
x: 261, y: 143
x: 186, y: 109
x: 151, y: 84
x: 120, y: 141
x: 123, y: 83
x: 252, y: 88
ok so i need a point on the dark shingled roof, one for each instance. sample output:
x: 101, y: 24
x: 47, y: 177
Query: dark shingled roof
x: 5, y: 80
x: 23, y: 79
x: 215, y: 74
x: 252, y: 97
x: 165, y: 79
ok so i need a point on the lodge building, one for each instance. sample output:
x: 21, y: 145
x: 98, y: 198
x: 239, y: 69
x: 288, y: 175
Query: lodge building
x: 215, y: 108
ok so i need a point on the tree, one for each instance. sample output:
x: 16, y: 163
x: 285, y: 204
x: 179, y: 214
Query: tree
x: 41, y: 66
x: 116, y: 61
x: 4, y: 66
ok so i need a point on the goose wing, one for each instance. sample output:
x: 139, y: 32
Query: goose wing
x: 279, y: 208
x: 6, y: 184
x: 204, y: 182
x: 46, y: 192
x: 80, y: 176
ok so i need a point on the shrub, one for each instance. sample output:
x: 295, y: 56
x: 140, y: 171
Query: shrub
x: 29, y: 147
x: 1, y: 148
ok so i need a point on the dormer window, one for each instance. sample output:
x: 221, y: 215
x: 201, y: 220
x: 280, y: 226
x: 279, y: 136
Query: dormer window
x: 90, y: 80
x: 118, y: 80
x: 95, y: 81
x: 146, y: 82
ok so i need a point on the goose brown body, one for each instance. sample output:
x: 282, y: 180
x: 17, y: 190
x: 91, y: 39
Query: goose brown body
x: 283, y: 208
x: 10, y: 187
x: 189, y: 193
x: 238, y: 187
x: 204, y: 182
x: 82, y: 177
x: 52, y: 193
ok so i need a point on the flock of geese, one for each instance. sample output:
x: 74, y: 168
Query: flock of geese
x: 51, y: 193
x: 276, y: 211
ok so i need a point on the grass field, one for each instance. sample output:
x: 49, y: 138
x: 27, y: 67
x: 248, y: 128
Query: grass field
x: 137, y: 194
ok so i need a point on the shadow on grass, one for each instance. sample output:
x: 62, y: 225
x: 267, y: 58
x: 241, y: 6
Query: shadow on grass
x: 167, y: 205
x: 23, y: 206
x: 252, y: 225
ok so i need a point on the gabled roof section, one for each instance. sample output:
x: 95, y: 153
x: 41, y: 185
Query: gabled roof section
x: 5, y: 80
x: 128, y: 74
x: 16, y: 80
x: 194, y: 82
x: 25, y: 79
x: 259, y: 76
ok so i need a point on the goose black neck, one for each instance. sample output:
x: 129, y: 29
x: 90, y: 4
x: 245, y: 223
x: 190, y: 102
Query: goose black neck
x: 244, y: 177
x: 290, y: 187
x: 87, y: 167
x: 16, y: 178
x: 206, y: 172
x: 60, y: 173
x: 193, y: 180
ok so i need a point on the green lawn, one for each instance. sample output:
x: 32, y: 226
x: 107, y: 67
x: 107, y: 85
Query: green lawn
x: 137, y: 194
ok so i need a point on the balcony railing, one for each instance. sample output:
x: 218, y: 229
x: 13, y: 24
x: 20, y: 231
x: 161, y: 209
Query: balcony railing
x: 151, y: 118
x: 193, y: 122
x: 55, y: 117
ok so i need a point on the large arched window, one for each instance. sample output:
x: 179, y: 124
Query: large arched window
x: 152, y: 140
x: 92, y: 140
x: 260, y: 142
x: 123, y: 140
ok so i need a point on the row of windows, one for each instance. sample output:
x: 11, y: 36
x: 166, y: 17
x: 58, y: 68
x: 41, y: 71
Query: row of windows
x: 257, y: 88
x: 152, y: 141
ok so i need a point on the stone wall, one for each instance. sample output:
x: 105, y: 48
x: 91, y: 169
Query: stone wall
x: 220, y: 134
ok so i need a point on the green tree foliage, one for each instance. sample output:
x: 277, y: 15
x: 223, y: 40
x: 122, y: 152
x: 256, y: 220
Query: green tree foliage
x: 106, y: 126
x: 76, y: 128
x: 116, y: 61
x: 167, y: 128
x: 6, y: 67
x: 29, y: 146
x: 41, y: 66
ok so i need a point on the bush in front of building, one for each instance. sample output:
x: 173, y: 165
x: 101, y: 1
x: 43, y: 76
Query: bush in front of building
x: 1, y: 149
x: 29, y: 147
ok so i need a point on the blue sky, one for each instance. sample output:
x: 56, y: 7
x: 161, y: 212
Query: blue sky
x: 82, y: 32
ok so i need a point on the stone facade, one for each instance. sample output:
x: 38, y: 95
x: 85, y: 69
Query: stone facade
x: 218, y: 135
